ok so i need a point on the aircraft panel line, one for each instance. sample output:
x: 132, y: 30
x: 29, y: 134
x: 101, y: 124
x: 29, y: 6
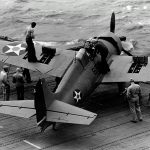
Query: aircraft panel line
x: 20, y: 107
x: 70, y: 114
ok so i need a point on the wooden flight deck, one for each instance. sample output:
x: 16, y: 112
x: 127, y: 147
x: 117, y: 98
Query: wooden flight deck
x: 111, y: 130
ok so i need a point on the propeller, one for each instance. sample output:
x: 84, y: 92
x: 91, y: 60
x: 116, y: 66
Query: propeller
x: 6, y: 38
x: 112, y: 23
x: 128, y: 53
x: 112, y: 29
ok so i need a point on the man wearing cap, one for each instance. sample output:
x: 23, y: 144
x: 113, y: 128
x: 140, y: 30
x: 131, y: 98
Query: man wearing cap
x: 19, y: 82
x: 89, y: 49
x: 5, y: 82
x: 134, y: 96
x: 96, y: 50
x: 102, y: 50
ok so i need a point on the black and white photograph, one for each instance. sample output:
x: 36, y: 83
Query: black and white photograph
x: 75, y: 75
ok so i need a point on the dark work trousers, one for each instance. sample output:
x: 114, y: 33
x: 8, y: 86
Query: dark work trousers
x: 31, y: 50
x: 6, y: 92
x: 20, y: 92
x: 26, y: 75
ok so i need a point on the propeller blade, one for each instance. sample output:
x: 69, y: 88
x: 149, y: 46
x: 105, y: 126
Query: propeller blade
x: 6, y: 38
x: 128, y: 53
x: 112, y: 23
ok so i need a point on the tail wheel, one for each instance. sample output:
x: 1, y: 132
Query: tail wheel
x: 77, y: 95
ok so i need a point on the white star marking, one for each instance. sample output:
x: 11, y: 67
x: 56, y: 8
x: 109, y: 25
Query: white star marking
x: 16, y: 49
x: 77, y: 96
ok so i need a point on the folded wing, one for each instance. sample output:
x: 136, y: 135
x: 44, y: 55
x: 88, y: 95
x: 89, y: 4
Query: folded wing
x: 57, y: 66
x: 23, y: 108
x: 123, y: 68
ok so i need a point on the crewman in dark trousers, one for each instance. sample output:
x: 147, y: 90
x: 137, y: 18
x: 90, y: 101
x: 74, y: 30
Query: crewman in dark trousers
x: 30, y: 45
x: 26, y: 75
x: 19, y: 82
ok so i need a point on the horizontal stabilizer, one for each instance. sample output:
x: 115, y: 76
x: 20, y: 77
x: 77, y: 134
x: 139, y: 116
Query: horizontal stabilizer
x: 22, y: 108
x: 66, y: 113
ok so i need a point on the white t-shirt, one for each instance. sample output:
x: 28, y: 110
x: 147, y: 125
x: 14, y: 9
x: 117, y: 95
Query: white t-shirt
x: 30, y: 32
x: 127, y: 45
x: 3, y: 77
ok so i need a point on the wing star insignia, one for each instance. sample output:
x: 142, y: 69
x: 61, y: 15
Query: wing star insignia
x: 16, y: 49
x: 77, y: 95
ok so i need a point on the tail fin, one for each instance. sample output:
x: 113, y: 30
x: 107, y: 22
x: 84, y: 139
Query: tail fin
x: 41, y: 102
x: 48, y: 95
x: 49, y: 108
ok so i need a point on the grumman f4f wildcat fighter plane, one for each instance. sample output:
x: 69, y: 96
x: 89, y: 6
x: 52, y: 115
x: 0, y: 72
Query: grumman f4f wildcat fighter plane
x: 98, y: 61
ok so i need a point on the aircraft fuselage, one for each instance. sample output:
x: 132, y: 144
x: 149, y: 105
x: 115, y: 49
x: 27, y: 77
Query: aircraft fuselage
x: 83, y: 75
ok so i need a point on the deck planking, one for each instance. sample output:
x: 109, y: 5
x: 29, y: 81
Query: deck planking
x: 112, y: 128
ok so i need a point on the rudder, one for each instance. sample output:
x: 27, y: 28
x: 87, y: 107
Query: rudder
x: 42, y: 99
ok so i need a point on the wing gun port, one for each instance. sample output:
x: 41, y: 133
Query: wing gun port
x: 138, y: 63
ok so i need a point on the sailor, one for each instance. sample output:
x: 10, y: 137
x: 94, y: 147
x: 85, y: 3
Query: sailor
x: 19, y: 82
x: 134, y: 98
x: 26, y: 74
x: 5, y: 82
x: 101, y: 49
x: 89, y: 49
x: 30, y: 45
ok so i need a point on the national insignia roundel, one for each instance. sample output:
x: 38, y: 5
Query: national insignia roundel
x: 14, y: 49
x: 77, y: 95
